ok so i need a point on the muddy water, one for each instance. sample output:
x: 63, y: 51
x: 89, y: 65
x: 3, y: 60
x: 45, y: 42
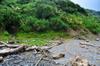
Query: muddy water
x: 72, y: 48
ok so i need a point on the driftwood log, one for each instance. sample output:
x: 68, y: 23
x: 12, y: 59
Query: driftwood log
x: 9, y: 46
x: 8, y: 51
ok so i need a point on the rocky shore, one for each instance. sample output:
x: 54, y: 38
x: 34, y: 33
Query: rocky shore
x: 72, y: 52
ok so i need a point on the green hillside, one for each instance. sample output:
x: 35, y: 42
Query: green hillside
x: 44, y: 15
x: 27, y: 16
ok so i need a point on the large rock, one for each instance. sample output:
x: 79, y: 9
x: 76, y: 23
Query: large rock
x: 58, y: 56
x: 78, y: 61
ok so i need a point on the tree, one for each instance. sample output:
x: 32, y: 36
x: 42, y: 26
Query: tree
x: 23, y: 1
x: 45, y: 11
x: 57, y: 24
x: 9, y: 20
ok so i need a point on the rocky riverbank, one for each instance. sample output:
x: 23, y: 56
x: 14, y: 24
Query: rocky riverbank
x: 72, y: 52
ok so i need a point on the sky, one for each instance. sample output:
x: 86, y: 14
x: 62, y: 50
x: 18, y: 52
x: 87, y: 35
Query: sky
x: 89, y: 4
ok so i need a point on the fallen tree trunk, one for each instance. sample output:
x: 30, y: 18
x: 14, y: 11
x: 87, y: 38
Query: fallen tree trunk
x: 9, y: 46
x: 12, y: 51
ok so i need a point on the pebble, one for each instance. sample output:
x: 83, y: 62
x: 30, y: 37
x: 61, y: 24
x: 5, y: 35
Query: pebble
x: 82, y: 46
x: 1, y: 58
x: 97, y: 39
x: 87, y: 40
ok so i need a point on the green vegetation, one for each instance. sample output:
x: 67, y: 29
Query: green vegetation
x: 38, y: 39
x: 42, y: 16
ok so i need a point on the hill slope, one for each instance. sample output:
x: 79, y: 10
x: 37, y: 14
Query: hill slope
x: 46, y: 15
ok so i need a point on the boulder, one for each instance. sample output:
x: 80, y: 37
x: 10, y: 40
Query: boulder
x: 78, y: 61
x: 58, y: 56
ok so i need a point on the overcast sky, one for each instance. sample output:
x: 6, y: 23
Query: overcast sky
x: 89, y: 4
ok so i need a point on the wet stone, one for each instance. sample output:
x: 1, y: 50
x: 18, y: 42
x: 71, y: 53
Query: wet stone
x: 1, y: 58
x: 97, y: 39
x: 26, y: 59
x: 58, y: 56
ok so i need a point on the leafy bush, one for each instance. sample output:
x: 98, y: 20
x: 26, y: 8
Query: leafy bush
x: 25, y: 24
x: 9, y: 17
x: 58, y: 24
x: 43, y: 15
x: 70, y: 7
x: 92, y: 24
x: 23, y: 1
x: 40, y: 25
x: 30, y: 24
x: 73, y: 21
x: 44, y: 11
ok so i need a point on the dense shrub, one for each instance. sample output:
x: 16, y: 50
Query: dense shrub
x: 73, y: 21
x: 30, y: 24
x: 92, y: 24
x: 58, y: 24
x: 69, y: 7
x: 43, y: 15
x: 40, y: 25
x: 25, y: 23
x: 9, y: 17
x: 62, y: 4
x: 23, y: 1
x: 44, y: 11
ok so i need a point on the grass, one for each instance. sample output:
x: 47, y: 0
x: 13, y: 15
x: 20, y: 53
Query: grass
x: 38, y: 39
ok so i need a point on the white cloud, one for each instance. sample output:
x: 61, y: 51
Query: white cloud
x: 89, y: 4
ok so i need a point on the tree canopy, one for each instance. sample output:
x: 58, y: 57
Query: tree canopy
x: 44, y: 15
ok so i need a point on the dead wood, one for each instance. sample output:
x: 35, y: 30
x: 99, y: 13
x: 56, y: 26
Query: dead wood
x: 39, y: 60
x: 32, y: 48
x: 9, y: 46
x: 12, y: 51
